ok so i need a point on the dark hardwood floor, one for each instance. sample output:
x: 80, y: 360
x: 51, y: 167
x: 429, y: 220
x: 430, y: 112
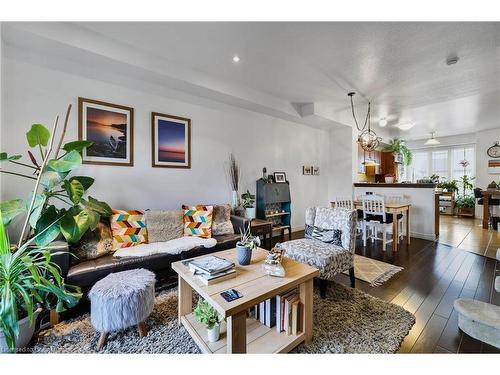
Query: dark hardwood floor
x: 434, y: 276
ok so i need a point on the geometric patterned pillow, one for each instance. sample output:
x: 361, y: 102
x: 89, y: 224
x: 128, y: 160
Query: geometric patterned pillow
x: 198, y: 221
x: 128, y: 228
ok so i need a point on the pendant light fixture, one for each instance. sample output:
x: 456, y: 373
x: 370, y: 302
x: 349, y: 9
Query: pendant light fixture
x: 367, y: 138
x: 432, y: 141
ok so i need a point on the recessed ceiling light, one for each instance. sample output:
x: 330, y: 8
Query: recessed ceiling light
x: 382, y: 122
x: 452, y: 60
x: 236, y: 59
x: 406, y: 126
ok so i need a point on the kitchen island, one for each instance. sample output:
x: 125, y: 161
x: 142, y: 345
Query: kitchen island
x: 424, y: 214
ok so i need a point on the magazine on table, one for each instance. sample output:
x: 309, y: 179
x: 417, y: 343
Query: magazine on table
x: 211, y: 265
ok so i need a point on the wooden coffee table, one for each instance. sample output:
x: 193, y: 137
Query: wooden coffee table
x: 245, y: 334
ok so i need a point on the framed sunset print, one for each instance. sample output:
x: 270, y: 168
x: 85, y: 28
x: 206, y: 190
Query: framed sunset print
x: 171, y: 141
x: 111, y: 129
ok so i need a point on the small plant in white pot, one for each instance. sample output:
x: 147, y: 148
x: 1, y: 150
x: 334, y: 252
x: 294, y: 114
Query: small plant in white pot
x: 249, y: 205
x: 245, y: 245
x: 207, y: 315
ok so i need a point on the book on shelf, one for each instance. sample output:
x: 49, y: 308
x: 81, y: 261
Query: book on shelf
x: 211, y: 265
x: 295, y: 317
x: 270, y: 318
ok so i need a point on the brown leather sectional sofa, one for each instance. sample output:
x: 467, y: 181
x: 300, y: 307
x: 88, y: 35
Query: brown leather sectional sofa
x: 86, y: 273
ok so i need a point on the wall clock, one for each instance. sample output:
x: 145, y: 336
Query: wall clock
x: 494, y: 151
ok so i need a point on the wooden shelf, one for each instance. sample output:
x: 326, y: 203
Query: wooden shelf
x: 278, y: 214
x: 260, y: 338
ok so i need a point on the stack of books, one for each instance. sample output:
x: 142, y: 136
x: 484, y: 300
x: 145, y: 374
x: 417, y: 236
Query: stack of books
x: 212, y: 269
x: 282, y: 312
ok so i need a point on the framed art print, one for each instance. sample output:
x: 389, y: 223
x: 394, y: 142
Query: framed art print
x: 279, y: 177
x: 111, y: 129
x: 171, y: 141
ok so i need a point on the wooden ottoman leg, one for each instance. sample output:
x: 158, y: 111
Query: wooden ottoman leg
x: 103, y: 339
x: 141, y: 329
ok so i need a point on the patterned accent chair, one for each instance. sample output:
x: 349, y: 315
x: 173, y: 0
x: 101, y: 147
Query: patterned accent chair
x: 331, y: 259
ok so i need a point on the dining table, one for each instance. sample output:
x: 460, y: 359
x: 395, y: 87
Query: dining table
x: 394, y: 208
x: 487, y: 195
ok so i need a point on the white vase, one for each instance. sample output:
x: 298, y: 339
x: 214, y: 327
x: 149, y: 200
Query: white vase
x: 234, y: 199
x: 214, y: 333
x: 250, y: 213
x: 25, y: 334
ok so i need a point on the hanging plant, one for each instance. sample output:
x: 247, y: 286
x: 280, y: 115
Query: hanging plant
x: 398, y: 146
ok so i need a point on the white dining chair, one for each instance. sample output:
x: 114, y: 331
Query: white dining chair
x: 398, y: 199
x: 375, y: 220
x: 349, y: 204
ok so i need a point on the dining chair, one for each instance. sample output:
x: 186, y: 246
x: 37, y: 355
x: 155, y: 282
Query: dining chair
x: 348, y: 204
x: 398, y: 199
x: 375, y: 219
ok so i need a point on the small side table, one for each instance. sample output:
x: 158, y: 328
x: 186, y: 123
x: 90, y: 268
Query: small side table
x: 263, y: 228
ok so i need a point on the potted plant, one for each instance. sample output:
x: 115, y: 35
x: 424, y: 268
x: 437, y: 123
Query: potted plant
x: 249, y: 205
x: 465, y: 205
x: 233, y: 172
x: 448, y: 186
x: 398, y: 147
x: 207, y: 315
x: 29, y: 280
x: 245, y: 245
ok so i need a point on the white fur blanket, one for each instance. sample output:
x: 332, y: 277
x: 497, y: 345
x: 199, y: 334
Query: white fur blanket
x: 175, y: 246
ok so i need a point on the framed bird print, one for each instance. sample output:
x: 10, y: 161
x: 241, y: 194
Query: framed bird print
x: 110, y: 128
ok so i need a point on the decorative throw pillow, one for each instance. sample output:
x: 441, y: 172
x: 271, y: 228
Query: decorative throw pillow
x: 129, y: 228
x: 164, y: 226
x: 94, y: 244
x: 333, y: 236
x: 198, y: 221
x: 221, y: 223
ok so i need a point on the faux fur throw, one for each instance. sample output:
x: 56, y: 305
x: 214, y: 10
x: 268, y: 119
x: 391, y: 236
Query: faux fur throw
x: 164, y: 225
x: 175, y: 246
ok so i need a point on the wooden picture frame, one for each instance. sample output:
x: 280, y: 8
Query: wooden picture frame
x: 111, y: 128
x: 306, y: 170
x: 175, y: 141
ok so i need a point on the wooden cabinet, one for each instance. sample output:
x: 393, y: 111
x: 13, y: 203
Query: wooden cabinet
x: 387, y: 163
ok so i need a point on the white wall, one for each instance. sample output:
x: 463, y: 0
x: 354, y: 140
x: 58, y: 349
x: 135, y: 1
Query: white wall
x: 342, y: 163
x: 37, y: 94
x: 484, y: 140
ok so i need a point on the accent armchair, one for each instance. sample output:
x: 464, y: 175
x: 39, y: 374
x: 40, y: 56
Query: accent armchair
x: 329, y: 243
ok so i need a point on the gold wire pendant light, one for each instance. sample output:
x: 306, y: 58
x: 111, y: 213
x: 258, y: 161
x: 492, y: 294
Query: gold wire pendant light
x: 367, y: 138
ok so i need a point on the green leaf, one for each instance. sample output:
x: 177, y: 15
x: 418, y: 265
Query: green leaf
x: 5, y: 157
x: 75, y: 190
x: 93, y: 219
x: 4, y: 239
x: 77, y: 146
x: 101, y: 208
x: 84, y: 180
x: 50, y: 179
x: 10, y: 209
x: 74, y: 224
x: 47, y: 229
x: 37, y: 208
x: 38, y: 135
x: 68, y: 162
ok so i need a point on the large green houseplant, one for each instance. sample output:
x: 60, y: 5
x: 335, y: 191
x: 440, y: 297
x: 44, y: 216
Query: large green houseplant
x: 398, y: 146
x: 28, y: 280
x: 74, y: 213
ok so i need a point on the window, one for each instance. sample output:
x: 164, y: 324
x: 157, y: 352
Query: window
x: 445, y: 162
x: 420, y: 166
x: 440, y: 164
x: 457, y: 170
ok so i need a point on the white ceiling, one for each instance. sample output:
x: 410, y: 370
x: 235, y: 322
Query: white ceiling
x: 400, y: 67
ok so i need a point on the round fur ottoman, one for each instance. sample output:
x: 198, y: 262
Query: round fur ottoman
x: 122, y: 300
